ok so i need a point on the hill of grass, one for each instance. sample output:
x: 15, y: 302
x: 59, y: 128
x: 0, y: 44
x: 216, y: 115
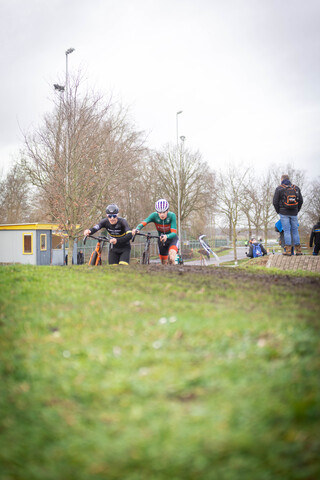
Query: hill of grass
x: 158, y: 373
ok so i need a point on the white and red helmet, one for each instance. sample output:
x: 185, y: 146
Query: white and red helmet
x: 162, y: 205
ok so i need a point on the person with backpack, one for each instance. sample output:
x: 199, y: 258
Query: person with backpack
x: 287, y: 201
x: 256, y: 249
x: 315, y: 238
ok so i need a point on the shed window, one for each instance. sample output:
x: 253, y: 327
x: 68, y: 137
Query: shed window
x: 43, y: 241
x: 27, y: 244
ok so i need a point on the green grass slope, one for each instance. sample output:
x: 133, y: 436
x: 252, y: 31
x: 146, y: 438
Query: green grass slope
x: 143, y: 373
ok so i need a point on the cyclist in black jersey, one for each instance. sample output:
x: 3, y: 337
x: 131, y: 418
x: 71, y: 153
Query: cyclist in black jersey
x: 120, y: 233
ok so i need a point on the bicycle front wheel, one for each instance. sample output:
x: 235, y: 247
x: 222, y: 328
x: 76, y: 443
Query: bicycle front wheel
x: 145, y: 258
x: 93, y: 258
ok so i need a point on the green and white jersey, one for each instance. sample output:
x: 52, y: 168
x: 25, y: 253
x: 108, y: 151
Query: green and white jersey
x: 168, y: 226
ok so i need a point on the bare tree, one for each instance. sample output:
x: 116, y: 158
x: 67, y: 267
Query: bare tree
x: 202, y: 222
x: 312, y: 202
x: 231, y: 187
x: 135, y: 194
x: 251, y: 205
x: 297, y: 177
x: 82, y: 148
x: 15, y: 197
x: 197, y: 181
x: 268, y: 213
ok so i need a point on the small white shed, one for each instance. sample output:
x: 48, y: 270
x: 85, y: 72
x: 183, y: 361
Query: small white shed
x: 28, y: 243
x: 34, y: 243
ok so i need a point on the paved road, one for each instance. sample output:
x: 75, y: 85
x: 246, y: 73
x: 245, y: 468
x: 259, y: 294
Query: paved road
x: 241, y: 253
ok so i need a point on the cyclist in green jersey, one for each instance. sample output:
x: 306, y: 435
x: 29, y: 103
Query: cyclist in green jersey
x: 166, y: 225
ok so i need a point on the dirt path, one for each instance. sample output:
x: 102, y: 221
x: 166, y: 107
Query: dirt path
x: 235, y: 275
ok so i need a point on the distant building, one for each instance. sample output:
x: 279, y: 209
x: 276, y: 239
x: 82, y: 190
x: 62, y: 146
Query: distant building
x: 34, y: 244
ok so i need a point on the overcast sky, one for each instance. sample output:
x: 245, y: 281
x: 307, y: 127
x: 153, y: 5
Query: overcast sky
x: 244, y: 72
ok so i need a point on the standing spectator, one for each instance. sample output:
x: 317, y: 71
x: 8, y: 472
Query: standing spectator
x: 80, y: 258
x: 287, y: 201
x: 315, y: 238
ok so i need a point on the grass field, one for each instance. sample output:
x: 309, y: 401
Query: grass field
x: 160, y: 374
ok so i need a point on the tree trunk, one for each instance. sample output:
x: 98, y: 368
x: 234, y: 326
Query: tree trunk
x: 70, y: 250
x: 266, y: 236
x: 250, y: 228
x: 234, y: 242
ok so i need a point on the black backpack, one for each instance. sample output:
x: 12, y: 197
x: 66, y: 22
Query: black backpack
x: 291, y: 196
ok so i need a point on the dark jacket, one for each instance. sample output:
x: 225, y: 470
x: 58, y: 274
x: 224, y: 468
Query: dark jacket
x: 279, y: 199
x: 80, y: 258
x: 250, y: 253
x: 120, y: 231
x: 315, y: 235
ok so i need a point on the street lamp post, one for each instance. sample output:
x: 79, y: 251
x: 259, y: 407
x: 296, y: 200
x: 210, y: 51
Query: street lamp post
x: 178, y: 176
x: 70, y: 50
x: 182, y: 138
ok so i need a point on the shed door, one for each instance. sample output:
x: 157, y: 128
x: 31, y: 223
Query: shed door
x: 43, y: 247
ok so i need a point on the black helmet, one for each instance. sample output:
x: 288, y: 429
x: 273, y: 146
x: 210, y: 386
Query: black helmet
x: 112, y: 209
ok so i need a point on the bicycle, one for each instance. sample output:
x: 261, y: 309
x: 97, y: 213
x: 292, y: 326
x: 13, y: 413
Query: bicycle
x: 145, y: 259
x: 95, y: 258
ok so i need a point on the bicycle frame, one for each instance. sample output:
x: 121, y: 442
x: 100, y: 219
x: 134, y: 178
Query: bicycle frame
x: 146, y: 253
x: 95, y: 258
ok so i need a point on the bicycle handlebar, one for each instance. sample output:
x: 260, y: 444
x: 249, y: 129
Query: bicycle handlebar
x: 100, y: 238
x: 148, y: 235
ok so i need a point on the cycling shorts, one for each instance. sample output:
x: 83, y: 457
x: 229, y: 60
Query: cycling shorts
x: 171, y: 244
x: 117, y: 255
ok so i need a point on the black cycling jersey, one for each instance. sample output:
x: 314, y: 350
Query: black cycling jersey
x: 120, y: 231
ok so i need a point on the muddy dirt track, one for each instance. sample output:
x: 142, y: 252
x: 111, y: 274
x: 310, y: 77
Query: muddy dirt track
x: 241, y: 277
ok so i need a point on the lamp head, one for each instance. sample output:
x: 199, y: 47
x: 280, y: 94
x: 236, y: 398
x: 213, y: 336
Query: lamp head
x: 60, y: 88
x: 70, y: 50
